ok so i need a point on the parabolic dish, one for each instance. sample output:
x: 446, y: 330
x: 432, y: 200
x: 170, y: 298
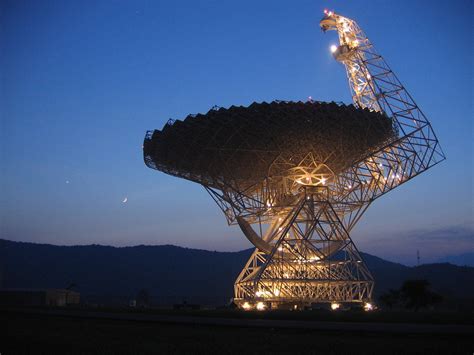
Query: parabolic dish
x: 239, y: 146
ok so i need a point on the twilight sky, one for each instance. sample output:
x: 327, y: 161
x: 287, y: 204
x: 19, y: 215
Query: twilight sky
x: 81, y: 82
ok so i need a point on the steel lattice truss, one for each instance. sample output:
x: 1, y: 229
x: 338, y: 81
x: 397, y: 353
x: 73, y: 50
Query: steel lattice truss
x: 296, y: 177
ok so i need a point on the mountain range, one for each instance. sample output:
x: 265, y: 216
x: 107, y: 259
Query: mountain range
x: 465, y: 259
x: 171, y: 274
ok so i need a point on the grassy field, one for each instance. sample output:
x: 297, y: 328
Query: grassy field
x: 396, y: 316
x: 48, y: 334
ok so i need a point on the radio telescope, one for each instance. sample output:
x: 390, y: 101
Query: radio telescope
x: 297, y: 176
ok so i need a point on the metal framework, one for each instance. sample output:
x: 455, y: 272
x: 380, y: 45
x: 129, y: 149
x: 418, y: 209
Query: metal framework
x: 296, y: 177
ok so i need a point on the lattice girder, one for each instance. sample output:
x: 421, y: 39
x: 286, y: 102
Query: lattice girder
x: 302, y: 267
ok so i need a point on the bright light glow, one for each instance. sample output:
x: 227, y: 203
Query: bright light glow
x: 323, y: 181
x: 368, y: 306
x: 333, y: 48
x: 258, y: 293
x: 276, y: 292
x: 280, y: 248
x: 280, y: 229
x: 315, y: 258
x: 261, y: 306
x: 295, y: 307
x: 335, y: 306
x: 246, y: 306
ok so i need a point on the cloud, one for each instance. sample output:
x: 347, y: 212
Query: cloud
x: 433, y: 244
x: 450, y: 233
x: 461, y: 233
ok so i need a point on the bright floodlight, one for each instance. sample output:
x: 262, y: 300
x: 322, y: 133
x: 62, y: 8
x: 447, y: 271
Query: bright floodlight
x: 297, y: 176
x: 368, y: 306
x: 333, y: 48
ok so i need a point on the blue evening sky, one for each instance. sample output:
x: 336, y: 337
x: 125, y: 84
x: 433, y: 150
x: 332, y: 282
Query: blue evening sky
x: 81, y: 82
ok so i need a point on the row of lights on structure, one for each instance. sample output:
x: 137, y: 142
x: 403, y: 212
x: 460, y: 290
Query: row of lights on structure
x: 261, y: 306
x: 367, y: 306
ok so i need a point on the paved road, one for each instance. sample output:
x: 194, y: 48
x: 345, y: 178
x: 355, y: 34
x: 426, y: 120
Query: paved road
x: 355, y: 327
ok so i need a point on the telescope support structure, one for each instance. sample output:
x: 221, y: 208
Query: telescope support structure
x: 312, y: 260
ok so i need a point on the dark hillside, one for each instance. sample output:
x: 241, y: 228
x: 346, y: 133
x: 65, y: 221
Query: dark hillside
x: 173, y: 274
